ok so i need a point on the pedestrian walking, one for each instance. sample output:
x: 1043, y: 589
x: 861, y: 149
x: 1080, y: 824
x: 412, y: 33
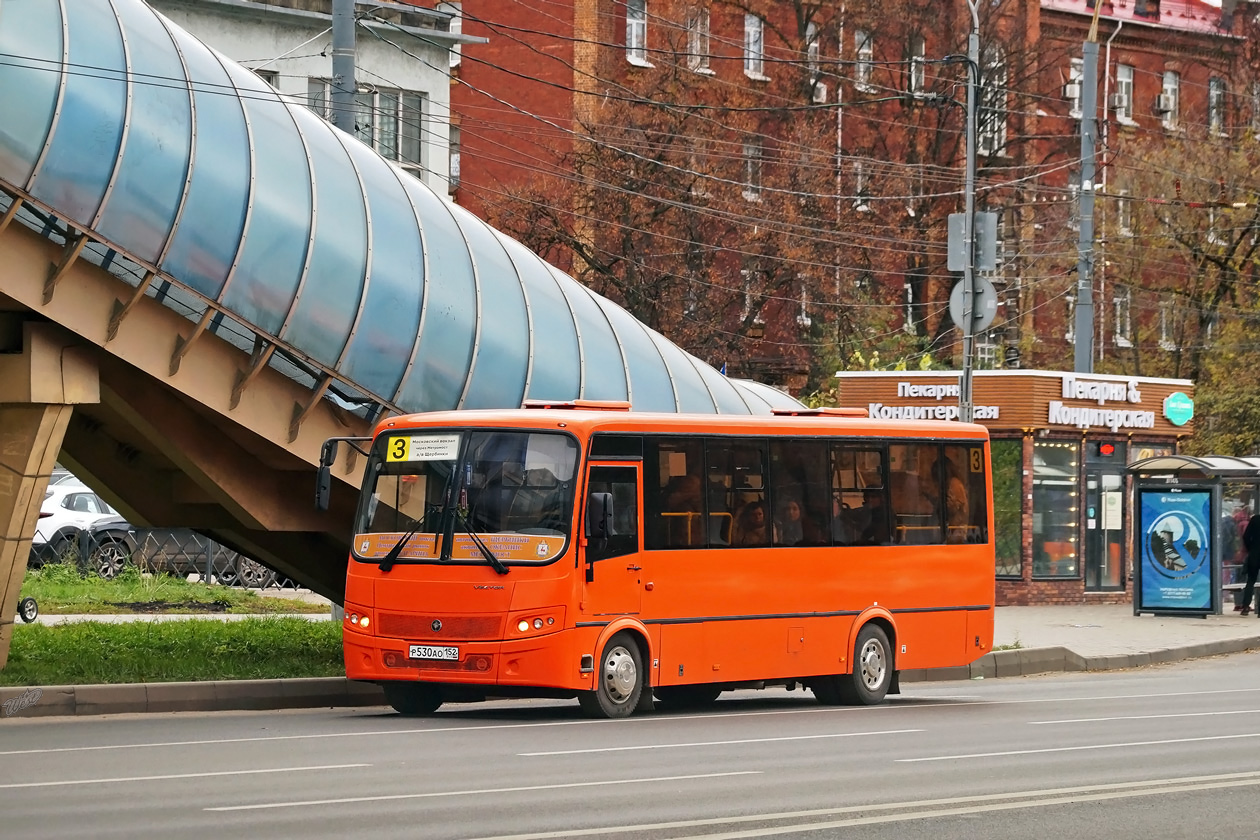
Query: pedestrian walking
x: 1251, y: 539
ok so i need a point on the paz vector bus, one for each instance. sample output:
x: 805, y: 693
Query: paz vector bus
x: 580, y: 549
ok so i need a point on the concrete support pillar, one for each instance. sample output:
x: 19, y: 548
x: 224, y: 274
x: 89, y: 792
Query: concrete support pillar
x: 38, y: 389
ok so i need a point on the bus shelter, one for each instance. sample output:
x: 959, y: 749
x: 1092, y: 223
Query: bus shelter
x: 1190, y: 513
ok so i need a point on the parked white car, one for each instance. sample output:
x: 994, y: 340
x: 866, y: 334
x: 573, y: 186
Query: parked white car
x: 68, y: 508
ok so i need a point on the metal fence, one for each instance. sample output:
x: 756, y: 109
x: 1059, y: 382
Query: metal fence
x: 175, y: 551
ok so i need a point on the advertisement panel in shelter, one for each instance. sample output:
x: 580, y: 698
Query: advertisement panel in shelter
x: 1175, y: 551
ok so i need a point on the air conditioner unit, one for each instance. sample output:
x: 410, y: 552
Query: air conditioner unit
x: 820, y: 92
x: 1072, y: 90
x: 1120, y: 101
x: 1164, y: 103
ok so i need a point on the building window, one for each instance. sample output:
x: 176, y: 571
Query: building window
x: 454, y: 147
x: 1170, y: 99
x: 1123, y: 303
x: 754, y: 47
x: 390, y: 121
x: 455, y: 25
x: 1074, y: 196
x: 752, y: 301
x: 1122, y: 99
x: 636, y: 32
x: 1216, y: 106
x: 1008, y: 478
x: 1054, y: 517
x: 271, y: 77
x: 802, y: 318
x: 813, y: 55
x: 752, y: 170
x: 991, y: 128
x: 1166, y: 327
x: 1072, y: 90
x: 1124, y: 213
x: 986, y: 351
x: 1069, y: 321
x: 864, y: 63
x: 907, y: 325
x: 918, y: 66
x: 1255, y: 107
x: 861, y: 187
x: 698, y: 39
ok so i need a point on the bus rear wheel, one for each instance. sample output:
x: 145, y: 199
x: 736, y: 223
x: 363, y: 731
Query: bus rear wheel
x: 412, y: 699
x: 871, y: 677
x: 618, y: 680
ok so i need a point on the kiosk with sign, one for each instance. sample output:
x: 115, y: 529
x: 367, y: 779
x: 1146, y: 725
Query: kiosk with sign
x: 1186, y: 536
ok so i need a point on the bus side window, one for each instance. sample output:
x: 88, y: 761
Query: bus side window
x: 967, y: 510
x: 916, y: 487
x: 675, y: 499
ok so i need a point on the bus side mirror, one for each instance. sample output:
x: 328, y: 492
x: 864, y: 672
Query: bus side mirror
x: 323, y: 478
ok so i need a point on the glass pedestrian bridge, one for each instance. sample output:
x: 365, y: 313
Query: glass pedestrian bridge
x: 141, y: 150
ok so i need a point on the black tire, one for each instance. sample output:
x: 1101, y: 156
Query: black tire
x: 412, y: 699
x: 254, y: 575
x: 28, y: 610
x: 110, y: 557
x: 872, y: 672
x: 686, y: 696
x: 619, y: 680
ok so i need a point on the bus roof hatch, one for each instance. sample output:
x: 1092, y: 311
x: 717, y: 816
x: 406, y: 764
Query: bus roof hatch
x: 831, y: 411
x: 581, y: 405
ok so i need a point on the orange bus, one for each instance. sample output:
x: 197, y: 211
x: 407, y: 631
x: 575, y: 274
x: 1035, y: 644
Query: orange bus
x: 625, y: 559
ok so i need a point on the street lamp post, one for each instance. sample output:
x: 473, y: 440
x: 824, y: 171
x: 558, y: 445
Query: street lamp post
x: 966, y: 407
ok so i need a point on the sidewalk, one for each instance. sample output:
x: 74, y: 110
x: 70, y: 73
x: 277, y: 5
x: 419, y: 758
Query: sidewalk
x: 1037, y: 640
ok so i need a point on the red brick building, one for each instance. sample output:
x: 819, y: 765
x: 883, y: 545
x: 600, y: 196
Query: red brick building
x: 769, y: 182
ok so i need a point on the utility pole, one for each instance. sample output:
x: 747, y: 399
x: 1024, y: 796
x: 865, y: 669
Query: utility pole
x: 343, y: 82
x: 966, y: 408
x: 1084, y: 323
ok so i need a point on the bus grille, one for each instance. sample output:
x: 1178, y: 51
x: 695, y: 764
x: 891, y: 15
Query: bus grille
x: 454, y: 627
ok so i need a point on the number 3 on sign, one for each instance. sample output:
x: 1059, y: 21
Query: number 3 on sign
x: 398, y: 449
x: 977, y: 460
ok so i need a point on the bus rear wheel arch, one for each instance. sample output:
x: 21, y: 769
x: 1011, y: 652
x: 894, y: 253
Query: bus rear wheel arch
x: 872, y: 674
x: 621, y: 679
x: 412, y: 699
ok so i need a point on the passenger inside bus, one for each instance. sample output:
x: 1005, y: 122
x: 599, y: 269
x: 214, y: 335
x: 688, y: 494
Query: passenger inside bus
x: 750, y: 525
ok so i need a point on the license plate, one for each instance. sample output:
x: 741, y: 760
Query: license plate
x: 433, y: 652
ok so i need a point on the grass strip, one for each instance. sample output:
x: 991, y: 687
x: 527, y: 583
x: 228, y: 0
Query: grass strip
x: 93, y: 652
x: 60, y: 589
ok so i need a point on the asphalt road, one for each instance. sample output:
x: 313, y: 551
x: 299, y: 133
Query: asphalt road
x: 1170, y: 751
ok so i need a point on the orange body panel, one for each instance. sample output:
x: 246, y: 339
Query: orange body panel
x: 705, y: 615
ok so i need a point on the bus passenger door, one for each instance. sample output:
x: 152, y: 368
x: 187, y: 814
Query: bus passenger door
x: 614, y: 577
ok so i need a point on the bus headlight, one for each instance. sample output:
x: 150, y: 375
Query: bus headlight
x: 523, y: 625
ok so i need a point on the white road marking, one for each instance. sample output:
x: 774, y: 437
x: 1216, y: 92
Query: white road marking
x: 931, y: 702
x: 718, y: 743
x: 1079, y: 748
x: 178, y: 776
x: 481, y: 792
x: 1163, y: 784
x: 1144, y: 717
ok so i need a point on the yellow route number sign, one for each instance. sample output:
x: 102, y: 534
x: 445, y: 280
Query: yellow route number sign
x: 421, y: 448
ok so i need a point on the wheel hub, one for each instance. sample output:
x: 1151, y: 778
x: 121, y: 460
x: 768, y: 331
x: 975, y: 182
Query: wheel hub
x: 620, y: 675
x: 872, y: 664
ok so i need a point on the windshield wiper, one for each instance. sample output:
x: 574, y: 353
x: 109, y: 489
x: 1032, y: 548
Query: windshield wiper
x: 388, y: 561
x: 485, y: 552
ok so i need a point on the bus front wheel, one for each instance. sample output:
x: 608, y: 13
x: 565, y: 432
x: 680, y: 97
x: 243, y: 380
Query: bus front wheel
x: 618, y: 680
x: 871, y: 677
x: 412, y: 699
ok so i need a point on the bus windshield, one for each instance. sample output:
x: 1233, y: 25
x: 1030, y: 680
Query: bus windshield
x: 514, y: 490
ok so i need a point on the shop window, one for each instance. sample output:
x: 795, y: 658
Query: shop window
x: 1055, y: 503
x: 1008, y: 490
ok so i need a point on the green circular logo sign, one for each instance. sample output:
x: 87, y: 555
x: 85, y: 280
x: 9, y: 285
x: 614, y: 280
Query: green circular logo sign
x: 1178, y: 408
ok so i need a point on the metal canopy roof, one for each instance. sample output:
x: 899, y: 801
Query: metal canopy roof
x: 1208, y: 466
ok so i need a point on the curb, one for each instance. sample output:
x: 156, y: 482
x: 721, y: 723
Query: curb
x: 226, y: 695
x: 1022, y: 662
x: 339, y: 692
